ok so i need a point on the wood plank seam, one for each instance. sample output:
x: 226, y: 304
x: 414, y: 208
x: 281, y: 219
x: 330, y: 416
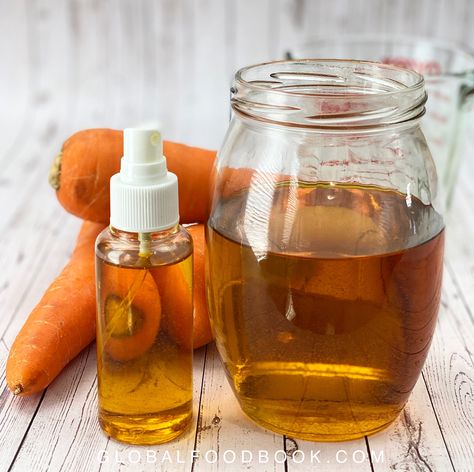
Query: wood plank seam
x: 284, y: 437
x: 368, y: 453
x: 200, y: 405
x: 437, y: 421
x: 105, y: 448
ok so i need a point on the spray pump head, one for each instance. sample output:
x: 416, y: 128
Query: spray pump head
x: 143, y: 195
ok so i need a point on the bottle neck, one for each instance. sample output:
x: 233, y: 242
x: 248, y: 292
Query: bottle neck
x: 153, y: 236
x: 145, y: 240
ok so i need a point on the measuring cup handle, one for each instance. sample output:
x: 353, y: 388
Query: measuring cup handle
x: 467, y: 92
x: 464, y: 120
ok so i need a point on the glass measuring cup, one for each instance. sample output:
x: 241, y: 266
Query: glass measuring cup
x: 449, y: 82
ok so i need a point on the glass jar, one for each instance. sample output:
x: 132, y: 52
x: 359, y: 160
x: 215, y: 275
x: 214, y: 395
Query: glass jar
x: 325, y: 246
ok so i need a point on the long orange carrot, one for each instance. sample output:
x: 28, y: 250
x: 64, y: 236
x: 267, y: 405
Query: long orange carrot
x: 62, y: 323
x: 81, y: 173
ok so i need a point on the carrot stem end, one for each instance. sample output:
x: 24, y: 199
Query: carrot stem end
x: 54, y: 177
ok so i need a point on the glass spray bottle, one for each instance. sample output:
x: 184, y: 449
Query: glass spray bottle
x: 144, y: 301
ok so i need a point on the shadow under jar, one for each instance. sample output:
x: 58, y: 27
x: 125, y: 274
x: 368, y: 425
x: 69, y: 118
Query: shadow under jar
x: 325, y: 246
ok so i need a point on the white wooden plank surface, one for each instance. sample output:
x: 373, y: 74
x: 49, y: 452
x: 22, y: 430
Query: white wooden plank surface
x: 223, y: 428
x: 52, y: 430
x: 306, y: 456
x: 65, y: 434
x: 15, y: 416
x: 414, y: 441
x: 84, y: 63
x: 449, y: 376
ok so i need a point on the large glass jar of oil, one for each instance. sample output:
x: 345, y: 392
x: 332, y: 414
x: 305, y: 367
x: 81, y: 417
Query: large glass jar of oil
x: 325, y: 246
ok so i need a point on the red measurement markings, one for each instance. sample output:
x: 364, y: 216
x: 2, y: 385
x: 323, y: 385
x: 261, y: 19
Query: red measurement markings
x: 423, y: 67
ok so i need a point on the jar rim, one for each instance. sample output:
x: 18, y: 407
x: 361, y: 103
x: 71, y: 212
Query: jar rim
x: 329, y: 93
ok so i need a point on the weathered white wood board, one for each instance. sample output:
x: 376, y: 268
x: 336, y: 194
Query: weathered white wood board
x: 115, y: 63
x: 223, y: 429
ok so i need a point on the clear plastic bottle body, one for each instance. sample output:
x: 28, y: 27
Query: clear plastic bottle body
x: 325, y: 246
x: 144, y: 334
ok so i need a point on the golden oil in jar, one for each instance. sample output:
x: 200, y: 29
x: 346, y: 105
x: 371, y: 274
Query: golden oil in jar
x: 324, y: 319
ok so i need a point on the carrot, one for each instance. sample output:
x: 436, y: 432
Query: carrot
x: 80, y: 174
x: 130, y: 311
x: 172, y: 285
x: 62, y: 323
x: 177, y: 304
x: 193, y: 167
x: 202, y: 327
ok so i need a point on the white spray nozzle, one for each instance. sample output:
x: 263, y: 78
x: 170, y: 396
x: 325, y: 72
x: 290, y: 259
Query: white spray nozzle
x: 143, y: 161
x: 144, y: 195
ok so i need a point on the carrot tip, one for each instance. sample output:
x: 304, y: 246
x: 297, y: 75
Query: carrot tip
x: 18, y: 389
